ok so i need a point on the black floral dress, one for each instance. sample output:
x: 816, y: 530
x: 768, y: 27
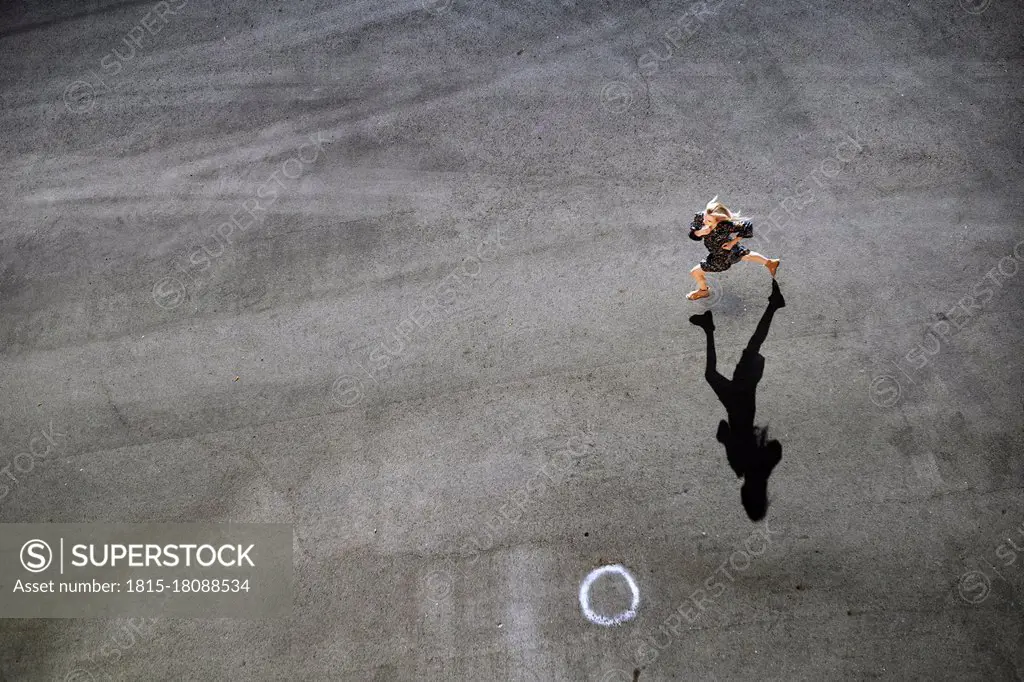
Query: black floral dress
x: 720, y: 259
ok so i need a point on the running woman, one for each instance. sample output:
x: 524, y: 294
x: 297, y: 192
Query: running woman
x: 721, y: 231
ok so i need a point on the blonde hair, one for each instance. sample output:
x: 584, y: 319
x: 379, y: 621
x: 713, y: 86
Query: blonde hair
x: 721, y: 211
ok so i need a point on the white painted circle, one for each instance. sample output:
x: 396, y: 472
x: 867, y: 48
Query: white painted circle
x: 597, y: 618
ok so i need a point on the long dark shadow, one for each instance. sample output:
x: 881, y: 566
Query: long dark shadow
x: 751, y: 454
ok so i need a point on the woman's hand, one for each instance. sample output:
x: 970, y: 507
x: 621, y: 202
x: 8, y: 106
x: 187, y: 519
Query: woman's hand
x: 702, y: 232
x: 731, y: 243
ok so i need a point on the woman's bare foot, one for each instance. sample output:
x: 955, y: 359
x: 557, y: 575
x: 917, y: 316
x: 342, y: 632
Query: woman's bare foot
x: 698, y: 294
x: 772, y: 265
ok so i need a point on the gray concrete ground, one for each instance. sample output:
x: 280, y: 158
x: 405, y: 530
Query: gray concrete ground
x: 451, y: 345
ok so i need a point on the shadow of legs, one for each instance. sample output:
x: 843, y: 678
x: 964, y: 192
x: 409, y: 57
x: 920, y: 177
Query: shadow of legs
x: 749, y: 452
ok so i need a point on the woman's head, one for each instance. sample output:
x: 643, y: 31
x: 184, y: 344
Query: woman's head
x: 715, y: 211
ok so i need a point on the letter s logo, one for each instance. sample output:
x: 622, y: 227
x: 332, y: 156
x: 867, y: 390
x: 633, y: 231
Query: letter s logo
x: 36, y: 556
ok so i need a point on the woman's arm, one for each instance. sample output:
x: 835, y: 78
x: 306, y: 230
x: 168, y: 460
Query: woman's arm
x: 745, y: 230
x: 697, y: 229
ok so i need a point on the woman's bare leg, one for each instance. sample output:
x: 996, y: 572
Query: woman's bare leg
x: 698, y: 275
x: 771, y: 263
x: 702, y: 282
